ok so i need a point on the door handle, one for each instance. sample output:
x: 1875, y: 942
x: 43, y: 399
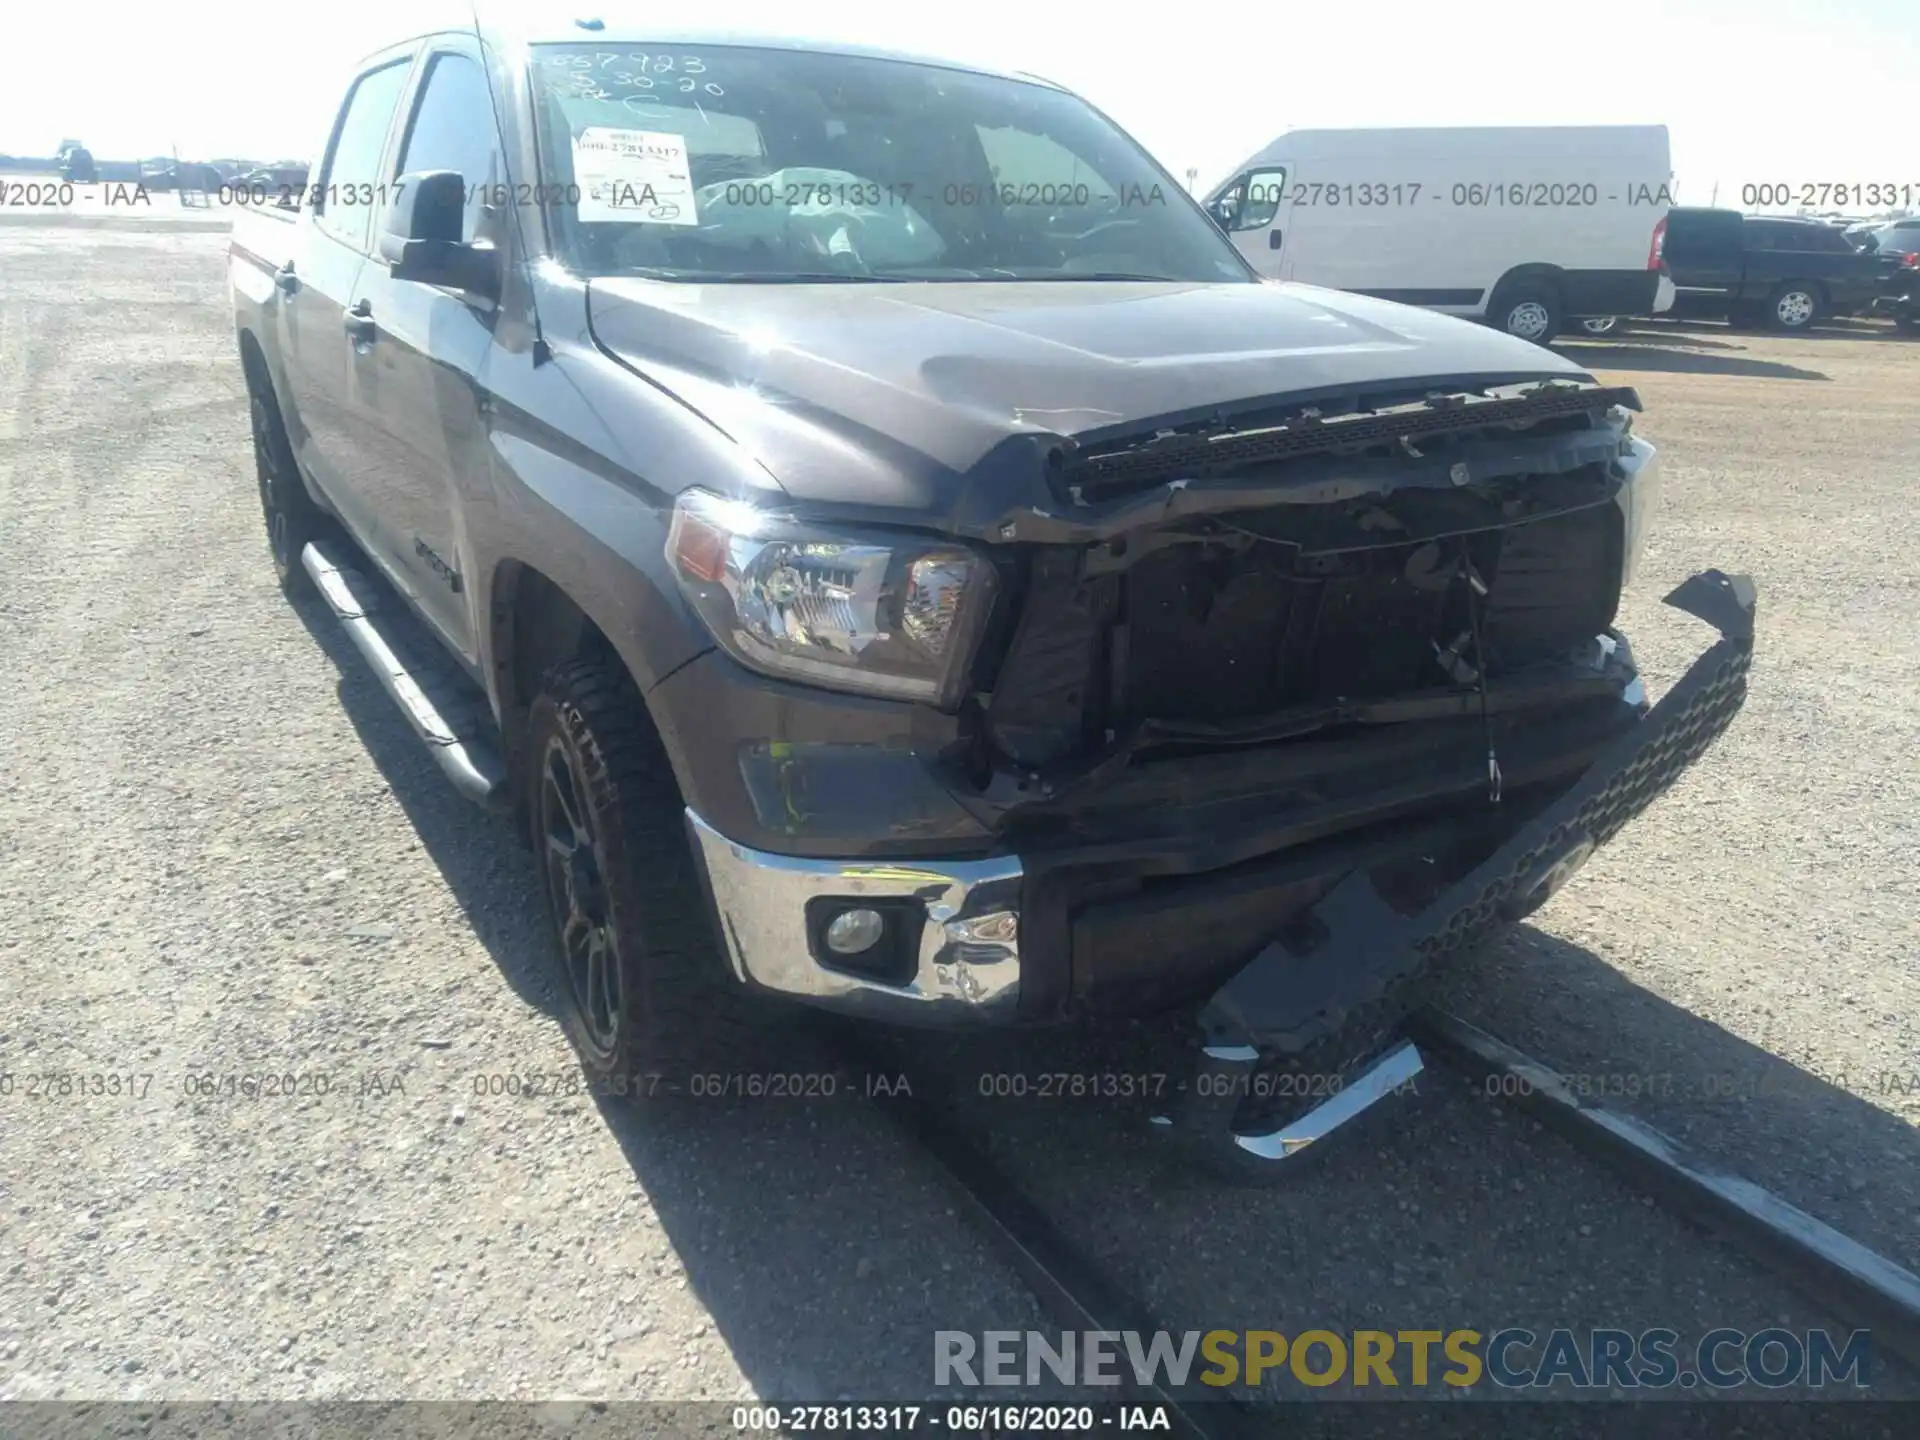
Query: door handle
x: 1273, y: 239
x: 359, y: 325
x: 284, y: 280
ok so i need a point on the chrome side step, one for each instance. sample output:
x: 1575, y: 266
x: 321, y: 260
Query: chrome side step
x: 451, y: 727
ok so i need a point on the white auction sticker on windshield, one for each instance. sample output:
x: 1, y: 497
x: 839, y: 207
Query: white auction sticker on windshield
x: 635, y: 176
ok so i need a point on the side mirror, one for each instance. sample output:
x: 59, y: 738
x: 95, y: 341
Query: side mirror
x: 1260, y: 196
x: 423, y: 241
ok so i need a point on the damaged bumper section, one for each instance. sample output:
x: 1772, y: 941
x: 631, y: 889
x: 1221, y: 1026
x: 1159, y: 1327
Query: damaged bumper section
x: 1317, y: 1011
x: 1372, y: 885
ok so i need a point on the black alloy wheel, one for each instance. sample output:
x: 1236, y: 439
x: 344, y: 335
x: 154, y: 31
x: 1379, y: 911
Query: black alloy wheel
x: 575, y: 872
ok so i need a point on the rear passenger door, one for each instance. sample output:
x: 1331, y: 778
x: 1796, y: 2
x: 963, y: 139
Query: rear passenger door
x: 417, y: 384
x: 320, y: 288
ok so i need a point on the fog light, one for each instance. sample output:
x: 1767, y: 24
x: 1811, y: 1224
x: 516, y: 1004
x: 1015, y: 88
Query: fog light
x: 854, y: 932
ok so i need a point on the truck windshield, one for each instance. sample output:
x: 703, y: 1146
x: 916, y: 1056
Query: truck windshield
x: 736, y: 163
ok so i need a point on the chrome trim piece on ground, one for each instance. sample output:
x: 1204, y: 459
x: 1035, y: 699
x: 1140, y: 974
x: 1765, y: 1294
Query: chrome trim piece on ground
x: 1864, y: 1288
x: 1388, y: 1075
x: 468, y: 760
x: 969, y: 959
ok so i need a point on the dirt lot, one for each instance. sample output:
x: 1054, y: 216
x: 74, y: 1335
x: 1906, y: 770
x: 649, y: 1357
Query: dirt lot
x: 224, y: 856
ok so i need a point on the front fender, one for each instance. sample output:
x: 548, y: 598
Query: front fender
x: 583, y: 464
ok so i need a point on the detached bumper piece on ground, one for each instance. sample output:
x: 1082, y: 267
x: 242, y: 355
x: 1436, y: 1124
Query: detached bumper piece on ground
x: 1307, y: 1036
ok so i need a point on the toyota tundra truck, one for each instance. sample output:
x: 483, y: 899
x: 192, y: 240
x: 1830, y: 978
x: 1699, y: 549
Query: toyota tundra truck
x: 890, y: 552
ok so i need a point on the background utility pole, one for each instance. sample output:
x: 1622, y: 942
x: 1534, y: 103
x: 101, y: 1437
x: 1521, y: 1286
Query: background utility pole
x: 1193, y: 174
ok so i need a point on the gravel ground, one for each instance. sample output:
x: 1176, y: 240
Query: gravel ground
x: 225, y: 856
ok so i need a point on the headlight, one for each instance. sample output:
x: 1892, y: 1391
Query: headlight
x: 867, y: 611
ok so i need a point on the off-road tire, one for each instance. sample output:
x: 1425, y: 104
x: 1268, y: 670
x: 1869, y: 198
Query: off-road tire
x: 678, y: 1008
x: 292, y: 519
x: 1535, y: 302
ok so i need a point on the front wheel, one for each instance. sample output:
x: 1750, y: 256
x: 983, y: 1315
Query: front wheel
x: 1794, y: 306
x: 643, y: 992
x: 1528, y: 311
x: 1599, y: 325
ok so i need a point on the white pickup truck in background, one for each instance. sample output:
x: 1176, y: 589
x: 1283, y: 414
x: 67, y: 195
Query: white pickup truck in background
x: 1529, y: 228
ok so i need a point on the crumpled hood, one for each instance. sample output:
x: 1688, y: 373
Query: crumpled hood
x: 901, y: 397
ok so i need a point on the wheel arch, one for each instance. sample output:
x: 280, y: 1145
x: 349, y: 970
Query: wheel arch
x: 257, y: 369
x: 1533, y: 270
x: 253, y: 363
x: 535, y: 622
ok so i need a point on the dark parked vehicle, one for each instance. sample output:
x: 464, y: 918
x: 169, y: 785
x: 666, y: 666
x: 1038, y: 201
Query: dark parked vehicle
x: 1785, y: 273
x: 282, y: 185
x: 187, y: 176
x: 1900, y: 294
x: 77, y: 167
x: 891, y: 552
x: 1894, y: 237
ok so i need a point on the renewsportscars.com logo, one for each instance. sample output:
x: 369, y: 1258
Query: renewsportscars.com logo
x: 1513, y: 1358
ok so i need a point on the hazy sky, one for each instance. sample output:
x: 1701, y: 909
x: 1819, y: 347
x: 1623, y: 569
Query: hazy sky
x: 1751, y: 90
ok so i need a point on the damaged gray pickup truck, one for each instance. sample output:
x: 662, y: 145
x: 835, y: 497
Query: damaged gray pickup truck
x: 890, y: 552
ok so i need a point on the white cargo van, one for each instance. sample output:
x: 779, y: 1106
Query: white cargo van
x: 1529, y: 228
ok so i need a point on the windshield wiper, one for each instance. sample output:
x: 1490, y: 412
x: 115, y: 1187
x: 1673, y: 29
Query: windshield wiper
x: 753, y: 277
x: 803, y: 277
x: 1102, y: 275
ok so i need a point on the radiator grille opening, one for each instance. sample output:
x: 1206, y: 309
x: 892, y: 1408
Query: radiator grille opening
x: 1209, y: 633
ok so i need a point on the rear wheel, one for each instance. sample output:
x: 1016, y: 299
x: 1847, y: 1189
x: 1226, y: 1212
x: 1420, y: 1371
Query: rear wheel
x: 1529, y: 310
x: 643, y: 992
x: 292, y: 519
x: 1794, y: 306
x: 1599, y: 325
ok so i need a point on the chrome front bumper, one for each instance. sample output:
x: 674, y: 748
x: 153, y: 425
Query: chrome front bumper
x: 968, y: 956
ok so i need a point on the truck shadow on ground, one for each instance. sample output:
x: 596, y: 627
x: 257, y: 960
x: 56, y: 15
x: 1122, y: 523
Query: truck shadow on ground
x: 791, y: 1218
x: 1678, y: 355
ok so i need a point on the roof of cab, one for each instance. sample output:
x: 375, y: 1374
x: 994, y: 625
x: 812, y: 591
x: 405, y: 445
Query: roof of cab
x: 541, y: 24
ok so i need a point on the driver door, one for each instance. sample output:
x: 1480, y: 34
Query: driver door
x: 418, y: 371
